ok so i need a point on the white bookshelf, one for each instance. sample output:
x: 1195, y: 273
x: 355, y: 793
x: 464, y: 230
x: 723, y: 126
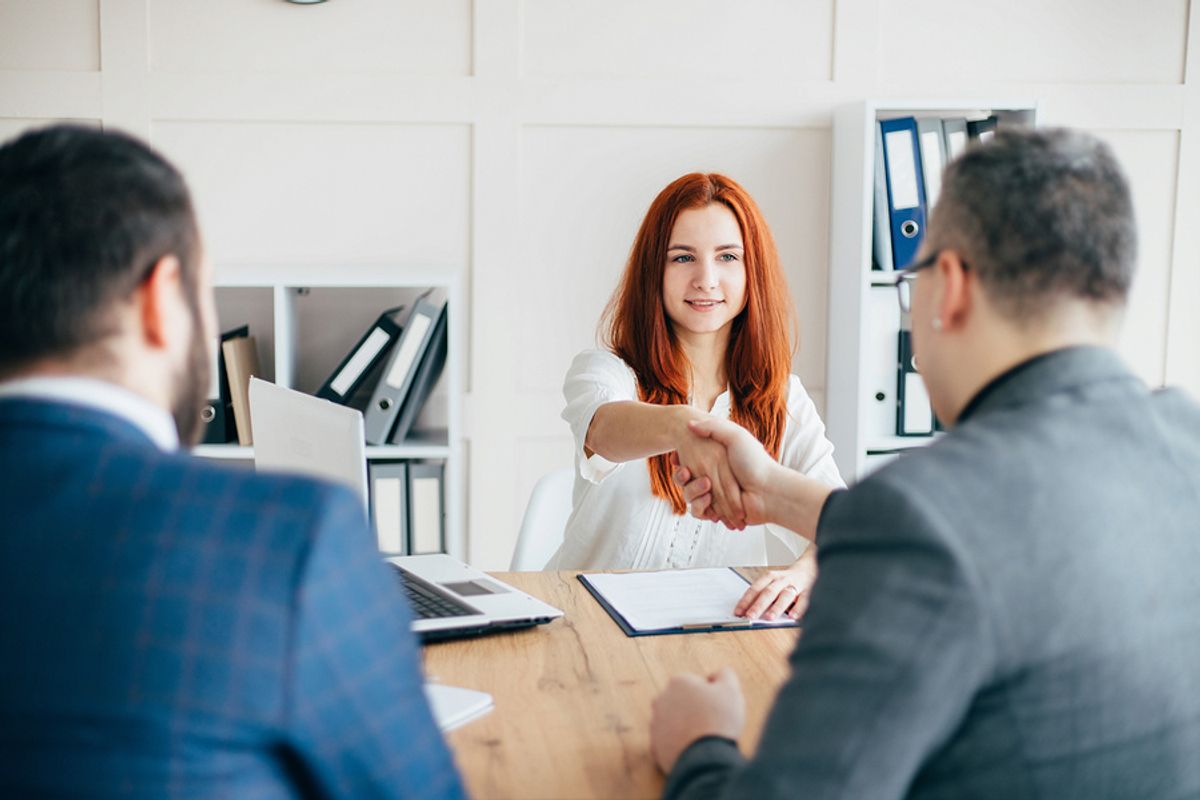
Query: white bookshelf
x: 306, y: 318
x: 864, y: 315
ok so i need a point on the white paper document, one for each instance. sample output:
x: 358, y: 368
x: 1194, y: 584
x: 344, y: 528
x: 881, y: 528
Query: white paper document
x: 453, y: 706
x: 675, y: 599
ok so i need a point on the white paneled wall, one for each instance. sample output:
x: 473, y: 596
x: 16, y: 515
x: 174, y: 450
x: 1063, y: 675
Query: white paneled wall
x: 1066, y: 41
x: 522, y: 141
x: 60, y: 35
x: 286, y: 192
x: 705, y: 39
x: 387, y: 37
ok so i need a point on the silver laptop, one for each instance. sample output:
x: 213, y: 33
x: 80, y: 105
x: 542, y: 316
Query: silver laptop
x: 450, y: 600
x: 298, y: 433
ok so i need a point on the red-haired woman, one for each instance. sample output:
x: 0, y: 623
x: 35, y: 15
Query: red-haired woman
x: 701, y: 324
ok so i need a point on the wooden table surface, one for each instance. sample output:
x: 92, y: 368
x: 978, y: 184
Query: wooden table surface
x: 572, y: 715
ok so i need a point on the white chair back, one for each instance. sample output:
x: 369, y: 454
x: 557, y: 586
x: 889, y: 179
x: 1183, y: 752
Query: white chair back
x: 545, y: 520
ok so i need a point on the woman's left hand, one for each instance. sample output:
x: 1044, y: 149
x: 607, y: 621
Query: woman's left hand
x: 781, y: 591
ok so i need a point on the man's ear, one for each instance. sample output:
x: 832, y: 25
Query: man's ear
x: 160, y: 297
x: 953, y: 306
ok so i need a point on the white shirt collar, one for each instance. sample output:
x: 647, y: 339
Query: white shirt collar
x: 155, y: 422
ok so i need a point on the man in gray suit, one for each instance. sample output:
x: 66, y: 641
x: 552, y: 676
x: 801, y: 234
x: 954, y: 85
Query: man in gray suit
x: 1013, y: 611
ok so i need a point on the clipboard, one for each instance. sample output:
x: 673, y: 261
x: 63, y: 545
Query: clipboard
x: 630, y: 630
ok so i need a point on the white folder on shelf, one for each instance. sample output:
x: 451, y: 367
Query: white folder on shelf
x: 879, y: 360
x: 955, y: 129
x: 426, y: 507
x: 389, y: 505
x: 932, y: 141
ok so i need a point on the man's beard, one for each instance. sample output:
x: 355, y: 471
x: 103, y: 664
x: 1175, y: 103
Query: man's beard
x: 191, y: 387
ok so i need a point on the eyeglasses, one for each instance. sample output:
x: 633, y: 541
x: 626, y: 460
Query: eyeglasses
x: 906, y: 277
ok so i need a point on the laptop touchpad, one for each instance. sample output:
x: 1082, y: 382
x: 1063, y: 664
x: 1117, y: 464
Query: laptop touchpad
x: 477, y: 587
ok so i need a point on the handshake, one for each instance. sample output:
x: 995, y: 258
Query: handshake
x: 728, y: 477
x: 726, y: 474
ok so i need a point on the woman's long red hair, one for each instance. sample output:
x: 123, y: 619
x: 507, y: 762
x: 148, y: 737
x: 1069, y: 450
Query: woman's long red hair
x: 762, y: 338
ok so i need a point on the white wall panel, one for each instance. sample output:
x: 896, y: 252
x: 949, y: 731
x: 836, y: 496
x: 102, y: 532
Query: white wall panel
x: 379, y: 36
x: 275, y: 192
x: 1069, y: 41
x: 1150, y: 160
x: 750, y: 39
x: 585, y: 190
x: 50, y: 35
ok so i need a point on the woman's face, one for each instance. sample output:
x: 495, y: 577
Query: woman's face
x: 704, y: 283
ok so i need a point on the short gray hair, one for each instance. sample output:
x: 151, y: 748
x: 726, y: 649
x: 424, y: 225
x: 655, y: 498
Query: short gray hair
x: 1040, y: 215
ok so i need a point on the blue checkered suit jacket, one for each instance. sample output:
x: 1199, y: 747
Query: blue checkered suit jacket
x: 174, y: 628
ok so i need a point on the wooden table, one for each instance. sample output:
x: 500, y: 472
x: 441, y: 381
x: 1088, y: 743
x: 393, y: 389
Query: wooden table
x: 572, y: 715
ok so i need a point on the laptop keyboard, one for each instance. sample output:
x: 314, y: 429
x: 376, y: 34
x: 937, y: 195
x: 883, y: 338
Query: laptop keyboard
x: 427, y: 603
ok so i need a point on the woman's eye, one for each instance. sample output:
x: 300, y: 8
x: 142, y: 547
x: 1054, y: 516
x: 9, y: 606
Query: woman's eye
x: 729, y: 256
x: 681, y: 259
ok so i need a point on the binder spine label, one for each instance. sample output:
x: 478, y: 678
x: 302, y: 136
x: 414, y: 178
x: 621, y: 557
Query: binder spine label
x: 426, y: 515
x: 408, y: 351
x: 958, y: 143
x: 388, y: 493
x: 918, y: 416
x: 359, y: 361
x: 902, y: 170
x: 931, y: 153
x: 214, y: 364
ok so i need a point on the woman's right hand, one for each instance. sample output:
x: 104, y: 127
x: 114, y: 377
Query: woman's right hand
x: 708, y: 458
x: 749, y: 466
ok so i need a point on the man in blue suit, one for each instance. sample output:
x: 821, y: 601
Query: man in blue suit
x: 169, y: 627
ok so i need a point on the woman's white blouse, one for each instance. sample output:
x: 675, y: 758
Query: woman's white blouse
x: 617, y: 523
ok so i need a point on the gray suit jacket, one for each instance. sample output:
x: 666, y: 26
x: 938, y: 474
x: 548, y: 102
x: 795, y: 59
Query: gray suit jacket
x: 1011, y: 612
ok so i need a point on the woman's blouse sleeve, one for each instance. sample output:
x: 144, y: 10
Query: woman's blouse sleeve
x: 596, y: 377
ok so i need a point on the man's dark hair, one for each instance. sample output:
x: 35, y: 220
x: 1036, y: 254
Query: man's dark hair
x: 1040, y: 215
x: 84, y: 215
